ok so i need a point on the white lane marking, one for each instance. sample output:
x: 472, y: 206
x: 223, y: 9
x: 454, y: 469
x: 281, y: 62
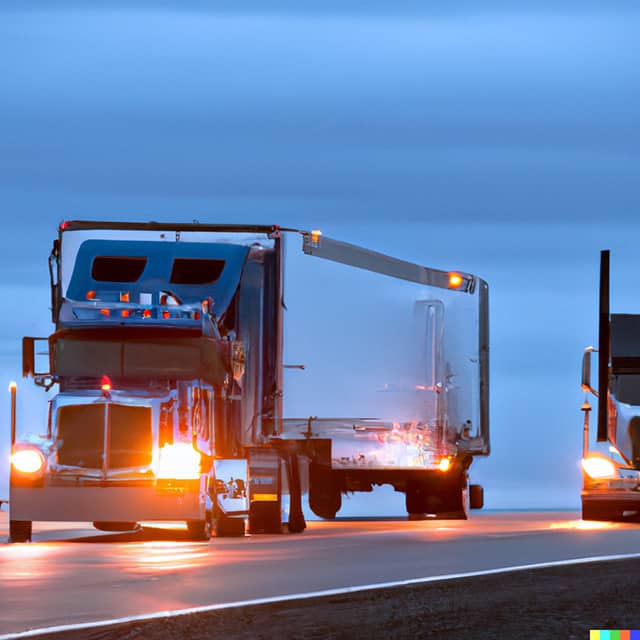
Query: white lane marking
x: 311, y: 594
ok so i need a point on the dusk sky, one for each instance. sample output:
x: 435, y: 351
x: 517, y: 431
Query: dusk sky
x: 497, y: 140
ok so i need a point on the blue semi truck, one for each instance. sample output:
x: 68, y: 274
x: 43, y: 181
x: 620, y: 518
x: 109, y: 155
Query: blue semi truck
x: 167, y: 378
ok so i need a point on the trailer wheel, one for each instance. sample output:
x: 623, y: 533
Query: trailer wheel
x: 476, y: 496
x: 200, y: 529
x: 415, y: 499
x: 20, y: 530
x: 325, y: 498
x: 456, y: 504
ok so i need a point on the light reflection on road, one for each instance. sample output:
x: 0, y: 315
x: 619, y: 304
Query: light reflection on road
x: 23, y: 562
x: 164, y: 556
x: 586, y: 525
x: 159, y: 568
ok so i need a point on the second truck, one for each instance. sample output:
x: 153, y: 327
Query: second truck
x: 611, y: 459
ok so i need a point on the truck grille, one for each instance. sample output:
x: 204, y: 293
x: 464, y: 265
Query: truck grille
x: 81, y: 433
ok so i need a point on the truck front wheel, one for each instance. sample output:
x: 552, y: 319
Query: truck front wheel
x: 200, y: 530
x: 19, y: 530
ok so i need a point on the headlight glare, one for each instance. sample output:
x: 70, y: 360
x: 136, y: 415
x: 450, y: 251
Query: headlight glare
x: 179, y: 461
x: 28, y: 461
x: 598, y: 467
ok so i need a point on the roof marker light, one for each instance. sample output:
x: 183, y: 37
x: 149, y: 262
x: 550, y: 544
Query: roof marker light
x: 105, y: 312
x: 124, y: 296
x: 315, y: 236
x: 455, y: 280
x: 105, y: 383
x: 125, y: 313
x: 166, y: 314
x: 90, y: 295
x: 146, y: 313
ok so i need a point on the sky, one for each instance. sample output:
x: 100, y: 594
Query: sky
x: 497, y: 139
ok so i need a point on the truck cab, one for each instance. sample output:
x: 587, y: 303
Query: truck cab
x: 611, y: 463
x: 161, y: 375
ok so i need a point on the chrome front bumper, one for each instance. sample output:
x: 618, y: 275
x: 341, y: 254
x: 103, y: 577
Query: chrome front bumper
x: 180, y: 500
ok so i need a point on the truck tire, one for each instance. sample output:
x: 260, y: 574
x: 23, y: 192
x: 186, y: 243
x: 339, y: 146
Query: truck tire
x: 448, y: 501
x: 226, y: 527
x: 116, y: 526
x: 456, y: 504
x: 601, y: 512
x: 325, y: 498
x: 415, y: 499
x: 265, y: 517
x: 200, y: 530
x: 476, y: 496
x: 20, y: 530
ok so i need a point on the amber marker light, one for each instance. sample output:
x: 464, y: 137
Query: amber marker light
x: 125, y: 313
x: 455, y: 280
x: 105, y: 312
x: 166, y: 314
x: 90, y: 295
x: 315, y: 236
x: 146, y: 313
x: 444, y: 464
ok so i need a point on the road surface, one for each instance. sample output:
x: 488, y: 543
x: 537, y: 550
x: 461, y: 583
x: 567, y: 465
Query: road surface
x: 71, y: 574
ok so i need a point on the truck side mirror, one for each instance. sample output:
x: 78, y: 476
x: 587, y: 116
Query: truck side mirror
x: 29, y: 365
x: 28, y: 357
x: 586, y: 371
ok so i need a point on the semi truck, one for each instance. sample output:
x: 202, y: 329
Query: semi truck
x: 167, y: 365
x: 611, y: 455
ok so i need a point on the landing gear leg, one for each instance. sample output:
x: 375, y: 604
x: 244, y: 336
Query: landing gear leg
x: 296, y: 522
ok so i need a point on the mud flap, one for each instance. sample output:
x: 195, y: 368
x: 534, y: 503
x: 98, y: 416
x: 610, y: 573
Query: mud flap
x: 265, y: 491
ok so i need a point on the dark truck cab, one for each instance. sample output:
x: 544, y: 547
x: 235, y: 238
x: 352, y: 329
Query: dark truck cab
x: 611, y: 464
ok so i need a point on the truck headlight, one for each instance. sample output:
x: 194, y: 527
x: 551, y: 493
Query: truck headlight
x: 28, y: 461
x: 179, y: 461
x: 598, y: 467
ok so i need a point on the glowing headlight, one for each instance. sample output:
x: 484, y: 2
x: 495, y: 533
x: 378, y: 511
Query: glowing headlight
x: 28, y: 461
x: 597, y: 467
x: 179, y: 461
x: 444, y: 464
